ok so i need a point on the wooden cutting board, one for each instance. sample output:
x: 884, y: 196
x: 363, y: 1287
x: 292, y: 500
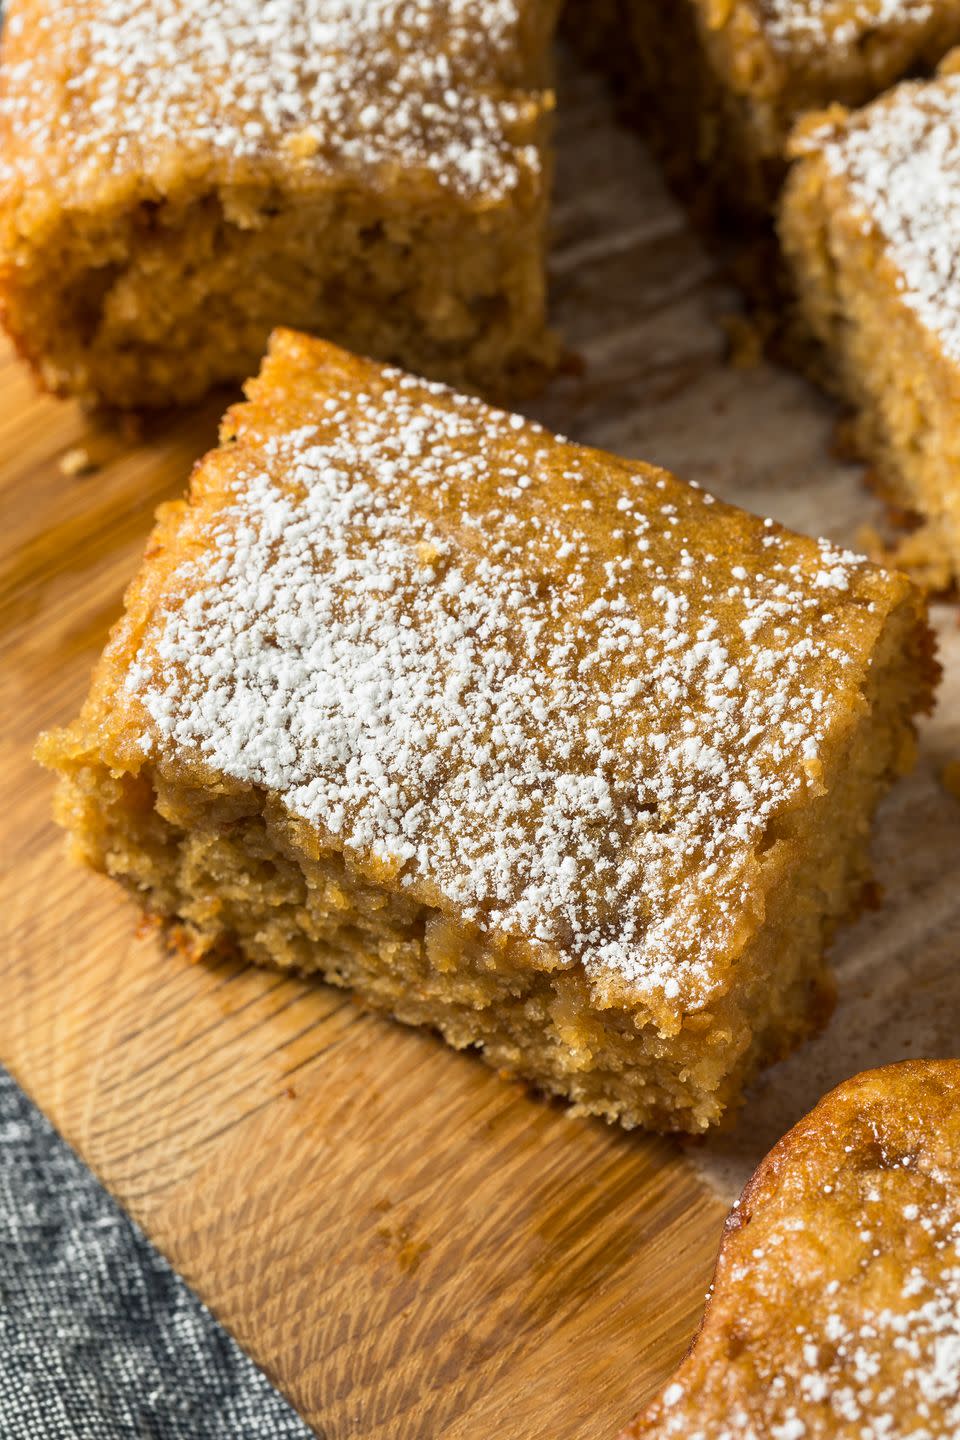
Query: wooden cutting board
x: 408, y: 1245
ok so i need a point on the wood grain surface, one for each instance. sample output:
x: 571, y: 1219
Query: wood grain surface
x: 408, y: 1245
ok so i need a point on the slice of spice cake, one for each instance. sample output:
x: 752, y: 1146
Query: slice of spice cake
x: 871, y: 229
x: 179, y: 176
x: 718, y: 84
x: 535, y: 745
x: 835, y: 1308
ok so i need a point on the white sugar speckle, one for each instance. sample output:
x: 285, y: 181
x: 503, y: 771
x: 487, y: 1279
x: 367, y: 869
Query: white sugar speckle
x: 901, y: 161
x: 362, y: 86
x: 841, y: 24
x: 874, y: 1356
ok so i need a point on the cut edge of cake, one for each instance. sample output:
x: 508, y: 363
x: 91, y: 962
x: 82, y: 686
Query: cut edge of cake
x: 877, y: 342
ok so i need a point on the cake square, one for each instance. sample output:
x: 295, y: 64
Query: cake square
x: 179, y: 176
x: 869, y: 223
x: 718, y: 84
x: 537, y: 746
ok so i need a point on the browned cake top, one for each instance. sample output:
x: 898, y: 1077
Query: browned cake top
x: 375, y: 89
x: 835, y: 1309
x: 899, y: 160
x: 564, y: 694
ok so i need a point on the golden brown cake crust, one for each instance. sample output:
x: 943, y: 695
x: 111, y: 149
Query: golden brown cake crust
x: 613, y: 732
x: 835, y: 1307
x: 101, y: 97
x: 177, y: 177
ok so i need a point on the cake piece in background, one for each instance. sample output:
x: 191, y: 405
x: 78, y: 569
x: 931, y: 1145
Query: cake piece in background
x: 537, y: 746
x: 718, y: 84
x: 179, y: 176
x: 835, y: 1307
x: 870, y: 226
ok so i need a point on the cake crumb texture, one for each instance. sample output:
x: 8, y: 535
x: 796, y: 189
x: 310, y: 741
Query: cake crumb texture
x: 901, y: 165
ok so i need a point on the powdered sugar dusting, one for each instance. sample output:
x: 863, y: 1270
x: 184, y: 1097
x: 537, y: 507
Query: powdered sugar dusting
x: 901, y: 160
x: 361, y: 85
x: 843, y: 23
x: 530, y: 683
x: 852, y: 1377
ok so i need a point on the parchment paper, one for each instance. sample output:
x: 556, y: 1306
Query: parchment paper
x: 637, y: 296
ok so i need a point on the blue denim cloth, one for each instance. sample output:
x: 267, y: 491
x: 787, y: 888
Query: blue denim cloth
x: 99, y: 1338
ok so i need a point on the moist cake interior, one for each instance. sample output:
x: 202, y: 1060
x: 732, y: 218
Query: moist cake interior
x: 178, y: 295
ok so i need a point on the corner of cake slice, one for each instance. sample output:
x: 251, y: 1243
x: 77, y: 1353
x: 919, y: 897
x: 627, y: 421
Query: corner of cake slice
x: 869, y: 224
x: 537, y: 746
